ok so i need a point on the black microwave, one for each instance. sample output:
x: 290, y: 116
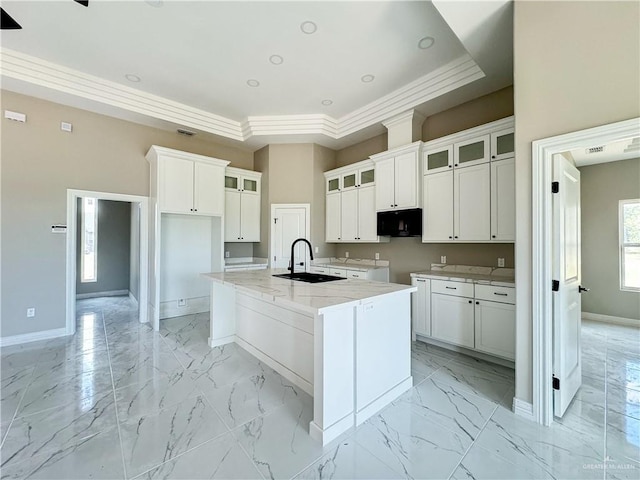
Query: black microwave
x: 400, y: 223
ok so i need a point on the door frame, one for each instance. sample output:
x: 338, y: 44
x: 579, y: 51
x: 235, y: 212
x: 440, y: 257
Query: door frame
x: 72, y: 215
x: 307, y: 226
x: 542, y: 152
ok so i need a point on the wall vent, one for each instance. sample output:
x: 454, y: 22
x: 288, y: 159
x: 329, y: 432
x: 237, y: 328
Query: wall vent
x: 187, y: 133
x: 595, y: 150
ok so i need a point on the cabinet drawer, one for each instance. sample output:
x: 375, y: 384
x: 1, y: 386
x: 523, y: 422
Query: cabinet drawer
x: 362, y: 274
x: 338, y: 272
x: 496, y: 294
x: 322, y: 270
x: 459, y: 289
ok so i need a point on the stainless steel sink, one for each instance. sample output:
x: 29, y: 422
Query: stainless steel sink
x: 309, y: 277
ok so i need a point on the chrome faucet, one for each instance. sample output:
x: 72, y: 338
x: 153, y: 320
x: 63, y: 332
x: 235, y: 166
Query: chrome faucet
x: 291, y: 263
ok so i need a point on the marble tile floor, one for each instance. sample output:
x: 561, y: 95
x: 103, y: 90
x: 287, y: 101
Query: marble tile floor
x: 118, y: 400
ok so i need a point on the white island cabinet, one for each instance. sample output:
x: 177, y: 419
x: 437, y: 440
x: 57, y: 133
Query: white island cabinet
x: 347, y: 342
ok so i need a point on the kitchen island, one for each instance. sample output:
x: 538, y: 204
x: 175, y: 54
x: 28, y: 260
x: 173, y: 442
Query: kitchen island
x: 347, y: 342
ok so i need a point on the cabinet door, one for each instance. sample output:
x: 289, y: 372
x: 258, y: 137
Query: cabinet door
x: 495, y: 328
x: 437, y: 209
x: 421, y: 306
x: 333, y: 214
x: 209, y: 189
x: 366, y: 177
x: 406, y: 181
x: 452, y: 319
x: 250, y: 185
x: 385, y: 185
x: 503, y: 200
x: 349, y: 180
x: 349, y: 215
x: 367, y: 218
x: 471, y: 152
x: 250, y: 217
x: 472, y: 203
x: 338, y: 272
x: 502, y: 144
x: 333, y: 184
x: 437, y: 160
x: 232, y: 215
x: 176, y: 186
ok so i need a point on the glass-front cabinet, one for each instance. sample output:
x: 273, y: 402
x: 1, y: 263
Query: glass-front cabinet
x: 502, y: 144
x: 358, y: 178
x: 333, y: 184
x: 471, y: 152
x: 437, y: 160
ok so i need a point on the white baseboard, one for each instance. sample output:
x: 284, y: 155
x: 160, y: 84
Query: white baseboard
x: 132, y: 298
x: 32, y: 337
x: 171, y: 309
x: 596, y: 317
x: 110, y: 293
x: 523, y: 409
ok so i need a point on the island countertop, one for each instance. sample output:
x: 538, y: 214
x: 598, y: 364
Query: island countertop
x: 308, y: 297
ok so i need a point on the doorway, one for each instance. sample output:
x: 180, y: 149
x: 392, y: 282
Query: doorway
x: 543, y: 154
x: 83, y: 266
x: 289, y: 222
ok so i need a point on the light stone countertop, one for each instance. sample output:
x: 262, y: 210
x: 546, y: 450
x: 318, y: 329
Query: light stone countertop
x: 310, y: 298
x: 502, y: 277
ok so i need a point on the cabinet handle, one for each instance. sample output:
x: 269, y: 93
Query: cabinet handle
x: 391, y: 205
x: 191, y: 209
x: 493, y: 236
x: 456, y: 236
x: 450, y: 166
x: 500, y: 294
x: 355, y: 276
x: 455, y: 164
x: 450, y: 236
x: 452, y: 288
x: 419, y: 280
x: 470, y: 301
x: 396, y: 205
x: 477, y: 303
x: 493, y: 156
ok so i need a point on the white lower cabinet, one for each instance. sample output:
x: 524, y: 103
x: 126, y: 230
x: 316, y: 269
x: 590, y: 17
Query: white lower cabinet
x: 452, y: 319
x: 495, y: 328
x: 373, y: 274
x: 467, y: 315
x: 421, y: 306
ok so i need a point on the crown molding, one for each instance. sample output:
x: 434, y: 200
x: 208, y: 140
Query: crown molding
x: 40, y: 72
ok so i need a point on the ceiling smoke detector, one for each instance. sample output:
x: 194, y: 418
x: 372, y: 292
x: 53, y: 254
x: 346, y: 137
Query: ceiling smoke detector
x: 186, y: 133
x: 595, y: 150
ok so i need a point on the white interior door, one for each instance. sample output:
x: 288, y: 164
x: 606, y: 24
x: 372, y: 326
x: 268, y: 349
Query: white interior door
x: 287, y: 224
x: 566, y: 271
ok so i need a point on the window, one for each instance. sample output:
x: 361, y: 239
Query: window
x: 629, y: 213
x: 89, y: 240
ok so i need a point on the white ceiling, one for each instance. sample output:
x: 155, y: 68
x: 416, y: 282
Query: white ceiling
x: 194, y: 60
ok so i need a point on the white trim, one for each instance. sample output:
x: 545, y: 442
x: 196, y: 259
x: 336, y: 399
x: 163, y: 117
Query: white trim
x: 109, y: 293
x: 36, y: 71
x: 32, y: 337
x: 382, y: 400
x: 597, y: 317
x: 274, y: 206
x: 523, y: 409
x: 542, y: 152
x: 133, y: 298
x: 622, y: 245
x: 72, y: 214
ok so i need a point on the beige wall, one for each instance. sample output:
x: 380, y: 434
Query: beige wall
x: 576, y: 65
x: 361, y: 151
x: 408, y: 255
x: 39, y: 164
x: 479, y: 111
x: 602, y: 187
x: 293, y: 173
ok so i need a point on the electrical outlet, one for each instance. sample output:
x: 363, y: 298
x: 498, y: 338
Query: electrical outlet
x: 182, y: 302
x: 346, y: 254
x: 501, y: 262
x: 377, y: 256
x: 317, y: 250
x: 31, y: 312
x: 443, y: 259
x: 226, y: 254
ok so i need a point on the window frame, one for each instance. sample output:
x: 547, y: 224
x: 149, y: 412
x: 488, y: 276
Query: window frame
x: 622, y: 245
x: 83, y: 240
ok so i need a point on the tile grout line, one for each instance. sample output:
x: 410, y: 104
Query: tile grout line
x: 115, y: 400
x: 13, y: 418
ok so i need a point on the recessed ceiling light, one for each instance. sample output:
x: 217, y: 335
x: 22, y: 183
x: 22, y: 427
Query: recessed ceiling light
x: 327, y: 102
x: 276, y: 59
x: 155, y: 3
x: 367, y: 78
x: 308, y: 27
x: 253, y: 83
x: 426, y: 42
x: 132, y: 78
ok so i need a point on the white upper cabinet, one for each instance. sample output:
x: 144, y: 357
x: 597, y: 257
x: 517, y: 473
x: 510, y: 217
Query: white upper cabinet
x: 242, y: 205
x: 398, y: 184
x: 350, y: 204
x: 472, y: 151
x: 503, y: 144
x: 503, y: 200
x: 471, y: 203
x: 471, y: 197
x: 186, y: 183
